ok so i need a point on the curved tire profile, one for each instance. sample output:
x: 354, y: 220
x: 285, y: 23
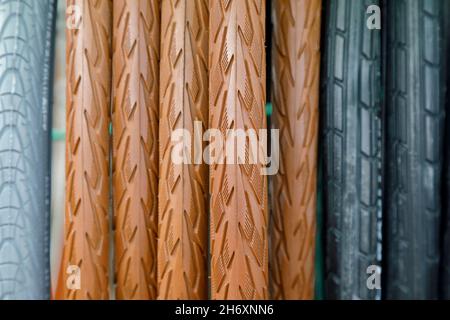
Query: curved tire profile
x: 183, y: 187
x: 351, y: 111
x: 135, y: 145
x: 86, y: 233
x: 239, y: 213
x: 415, y: 133
x: 296, y: 74
x: 25, y: 124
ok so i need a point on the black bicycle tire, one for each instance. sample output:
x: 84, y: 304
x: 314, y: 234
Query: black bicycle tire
x: 415, y: 111
x: 351, y: 133
x: 445, y: 245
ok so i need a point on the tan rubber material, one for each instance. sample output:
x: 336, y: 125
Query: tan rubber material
x: 239, y: 214
x: 295, y: 80
x: 183, y: 188
x: 88, y: 56
x: 136, y: 27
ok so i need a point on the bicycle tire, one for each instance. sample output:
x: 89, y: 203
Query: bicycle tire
x: 352, y: 148
x: 445, y: 238
x: 86, y: 233
x: 183, y: 187
x: 25, y: 125
x: 295, y: 83
x: 135, y: 145
x: 238, y: 206
x: 319, y: 289
x: 445, y: 245
x: 415, y: 130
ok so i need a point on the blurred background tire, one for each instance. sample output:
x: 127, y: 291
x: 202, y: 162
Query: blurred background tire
x: 26, y: 57
x: 415, y: 111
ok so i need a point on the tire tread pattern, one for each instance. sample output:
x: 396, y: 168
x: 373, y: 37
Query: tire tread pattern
x: 352, y: 148
x: 86, y: 234
x: 296, y: 65
x: 135, y: 118
x: 415, y: 116
x: 25, y: 101
x: 238, y: 212
x: 183, y: 188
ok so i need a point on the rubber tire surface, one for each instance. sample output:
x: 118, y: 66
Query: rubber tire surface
x: 135, y: 145
x: 183, y: 187
x: 415, y: 131
x: 239, y: 214
x: 295, y: 83
x: 86, y: 233
x: 319, y: 290
x: 25, y: 124
x: 352, y: 147
x: 445, y: 245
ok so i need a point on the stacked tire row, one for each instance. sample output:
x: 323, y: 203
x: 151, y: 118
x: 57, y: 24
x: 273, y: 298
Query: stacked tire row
x: 140, y: 71
x: 408, y: 167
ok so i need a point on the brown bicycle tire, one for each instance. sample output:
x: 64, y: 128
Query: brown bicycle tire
x: 295, y: 83
x: 182, y: 217
x: 239, y: 214
x: 88, y: 57
x: 135, y: 145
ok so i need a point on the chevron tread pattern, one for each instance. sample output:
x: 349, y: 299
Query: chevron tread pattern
x: 183, y: 188
x: 238, y: 204
x: 296, y: 65
x: 87, y: 151
x: 136, y: 27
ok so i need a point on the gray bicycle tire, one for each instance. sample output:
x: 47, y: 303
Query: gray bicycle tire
x: 26, y: 47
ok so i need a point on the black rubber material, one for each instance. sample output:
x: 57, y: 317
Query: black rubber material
x: 445, y: 219
x: 27, y: 29
x: 415, y: 110
x: 445, y: 225
x: 351, y: 132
